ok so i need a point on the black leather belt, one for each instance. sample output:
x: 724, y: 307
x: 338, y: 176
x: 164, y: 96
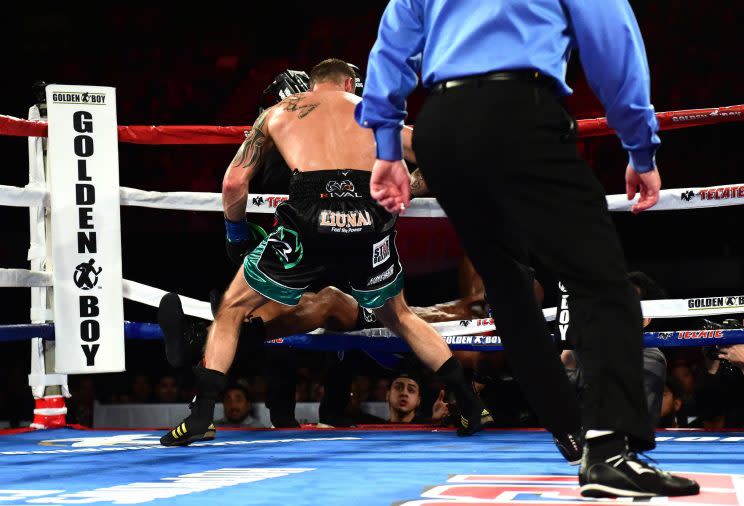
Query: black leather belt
x: 479, y: 80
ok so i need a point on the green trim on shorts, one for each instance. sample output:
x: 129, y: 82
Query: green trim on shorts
x: 373, y: 299
x: 279, y: 233
x: 263, y: 284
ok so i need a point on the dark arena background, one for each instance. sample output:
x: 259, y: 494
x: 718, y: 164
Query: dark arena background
x: 202, y: 64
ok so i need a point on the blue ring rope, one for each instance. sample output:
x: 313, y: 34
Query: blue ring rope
x: 342, y: 342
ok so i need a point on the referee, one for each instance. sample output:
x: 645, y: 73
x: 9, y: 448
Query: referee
x: 497, y: 149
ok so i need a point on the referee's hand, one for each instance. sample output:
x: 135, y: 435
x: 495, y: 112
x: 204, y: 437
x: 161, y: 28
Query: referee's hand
x: 390, y: 185
x: 649, y: 184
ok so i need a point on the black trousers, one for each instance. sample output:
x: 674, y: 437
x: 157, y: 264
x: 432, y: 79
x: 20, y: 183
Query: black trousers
x: 502, y: 161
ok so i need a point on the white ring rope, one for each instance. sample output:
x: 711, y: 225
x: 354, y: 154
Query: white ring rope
x: 670, y: 199
x: 667, y: 308
x: 31, y: 195
x: 35, y: 194
x: 151, y: 297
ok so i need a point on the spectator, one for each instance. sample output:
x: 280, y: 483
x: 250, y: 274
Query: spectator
x: 238, y: 408
x: 671, y: 404
x: 167, y: 389
x: 361, y: 386
x: 80, y: 405
x: 140, y: 388
x: 187, y: 390
x: 316, y: 390
x: 359, y: 394
x: 682, y: 370
x: 404, y: 398
x: 380, y: 390
x: 259, y: 389
x: 302, y: 392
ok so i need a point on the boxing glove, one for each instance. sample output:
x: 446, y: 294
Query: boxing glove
x: 240, y: 239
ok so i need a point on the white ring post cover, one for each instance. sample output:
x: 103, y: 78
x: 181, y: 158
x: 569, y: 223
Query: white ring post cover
x: 86, y: 231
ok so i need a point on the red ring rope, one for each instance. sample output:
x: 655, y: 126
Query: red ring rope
x: 201, y: 134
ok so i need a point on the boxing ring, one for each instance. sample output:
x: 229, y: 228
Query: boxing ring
x: 345, y: 467
x: 401, y: 466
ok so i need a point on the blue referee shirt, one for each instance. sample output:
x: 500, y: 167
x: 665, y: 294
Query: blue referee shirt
x: 448, y: 39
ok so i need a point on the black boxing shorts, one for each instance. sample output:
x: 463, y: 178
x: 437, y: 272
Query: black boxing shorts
x: 330, y: 228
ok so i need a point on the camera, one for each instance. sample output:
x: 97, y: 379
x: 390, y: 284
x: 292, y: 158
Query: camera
x: 711, y: 352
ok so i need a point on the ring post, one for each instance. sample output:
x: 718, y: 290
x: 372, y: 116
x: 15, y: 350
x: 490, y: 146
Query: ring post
x: 49, y: 389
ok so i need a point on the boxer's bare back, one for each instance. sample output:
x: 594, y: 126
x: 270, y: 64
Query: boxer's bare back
x: 316, y: 130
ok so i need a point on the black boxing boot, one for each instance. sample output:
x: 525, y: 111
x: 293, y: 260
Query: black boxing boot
x: 199, y: 426
x: 473, y: 415
x: 184, y: 337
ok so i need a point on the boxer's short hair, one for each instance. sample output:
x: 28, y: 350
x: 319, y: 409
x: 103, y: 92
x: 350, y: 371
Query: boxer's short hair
x: 331, y: 69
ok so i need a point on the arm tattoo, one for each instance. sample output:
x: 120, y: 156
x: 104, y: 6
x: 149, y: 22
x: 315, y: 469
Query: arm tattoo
x: 251, y: 151
x: 418, y: 185
x: 293, y: 105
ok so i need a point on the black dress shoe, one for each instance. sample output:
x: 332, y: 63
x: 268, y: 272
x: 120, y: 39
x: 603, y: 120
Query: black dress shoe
x: 624, y: 475
x: 571, y: 446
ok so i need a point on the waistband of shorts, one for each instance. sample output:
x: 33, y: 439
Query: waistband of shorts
x: 335, y: 183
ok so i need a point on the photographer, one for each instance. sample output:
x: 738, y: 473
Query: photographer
x: 721, y: 385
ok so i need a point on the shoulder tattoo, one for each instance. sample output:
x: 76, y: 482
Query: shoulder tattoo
x: 293, y: 104
x: 250, y: 152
